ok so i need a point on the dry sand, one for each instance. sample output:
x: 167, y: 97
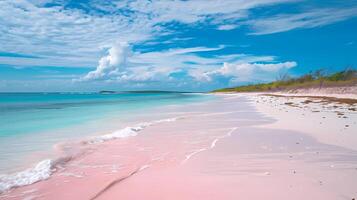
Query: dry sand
x: 244, y: 146
x: 339, y: 92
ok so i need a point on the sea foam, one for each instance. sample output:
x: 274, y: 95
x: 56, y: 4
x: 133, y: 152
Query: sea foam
x: 41, y: 171
x: 45, y: 168
x: 128, y: 131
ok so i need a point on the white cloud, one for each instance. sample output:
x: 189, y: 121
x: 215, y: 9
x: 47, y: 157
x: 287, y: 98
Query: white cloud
x: 199, y: 10
x: 111, y: 63
x: 243, y: 72
x: 66, y: 36
x: 59, y: 35
x: 123, y: 65
x: 226, y: 27
x: 309, y: 19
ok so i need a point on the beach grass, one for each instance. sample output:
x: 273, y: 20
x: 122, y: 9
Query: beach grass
x: 315, y: 79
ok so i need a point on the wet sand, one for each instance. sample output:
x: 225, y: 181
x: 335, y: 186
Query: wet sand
x: 235, y: 147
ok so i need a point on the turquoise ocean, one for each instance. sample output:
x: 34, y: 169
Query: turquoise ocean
x: 32, y: 123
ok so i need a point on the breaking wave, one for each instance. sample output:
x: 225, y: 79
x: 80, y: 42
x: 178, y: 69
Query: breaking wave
x: 128, y: 131
x: 44, y: 169
x: 41, y: 171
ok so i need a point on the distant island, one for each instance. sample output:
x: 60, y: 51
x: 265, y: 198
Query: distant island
x: 316, y: 79
x: 138, y: 91
x: 107, y: 92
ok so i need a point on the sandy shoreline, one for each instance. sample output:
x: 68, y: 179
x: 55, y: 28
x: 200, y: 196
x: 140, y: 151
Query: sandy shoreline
x: 236, y: 147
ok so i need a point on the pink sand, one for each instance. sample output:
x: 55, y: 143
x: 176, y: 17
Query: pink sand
x: 217, y: 150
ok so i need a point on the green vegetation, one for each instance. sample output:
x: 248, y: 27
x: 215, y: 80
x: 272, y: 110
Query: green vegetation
x: 317, y: 79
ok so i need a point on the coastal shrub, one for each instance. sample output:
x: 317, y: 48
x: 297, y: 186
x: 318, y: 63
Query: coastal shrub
x: 318, y: 78
x: 343, y: 75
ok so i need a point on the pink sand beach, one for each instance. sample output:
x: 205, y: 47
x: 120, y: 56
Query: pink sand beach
x: 245, y: 146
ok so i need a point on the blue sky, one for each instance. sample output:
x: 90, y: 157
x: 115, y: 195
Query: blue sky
x: 198, y: 45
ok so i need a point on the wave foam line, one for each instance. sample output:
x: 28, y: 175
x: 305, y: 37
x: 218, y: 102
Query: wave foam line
x: 41, y: 171
x: 44, y: 169
x: 213, y: 144
x: 129, y: 131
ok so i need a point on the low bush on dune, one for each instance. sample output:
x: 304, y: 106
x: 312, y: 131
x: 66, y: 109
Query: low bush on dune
x: 317, y: 79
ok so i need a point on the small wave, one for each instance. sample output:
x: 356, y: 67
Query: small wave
x: 128, y: 131
x: 41, y: 171
x: 44, y: 169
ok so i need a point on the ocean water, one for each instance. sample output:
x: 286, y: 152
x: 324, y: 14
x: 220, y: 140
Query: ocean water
x: 32, y: 123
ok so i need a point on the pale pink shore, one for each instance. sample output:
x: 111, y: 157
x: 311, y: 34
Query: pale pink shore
x: 236, y: 147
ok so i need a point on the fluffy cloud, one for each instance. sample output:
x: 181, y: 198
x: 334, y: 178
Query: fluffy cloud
x: 243, y: 72
x: 123, y: 65
x: 110, y: 64
x: 146, y: 66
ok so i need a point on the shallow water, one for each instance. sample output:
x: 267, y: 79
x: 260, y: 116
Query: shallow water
x: 32, y: 123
